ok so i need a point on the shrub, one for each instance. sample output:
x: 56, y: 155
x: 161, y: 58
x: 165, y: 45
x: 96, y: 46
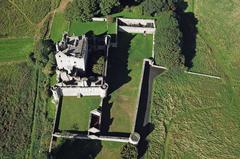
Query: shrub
x: 129, y: 151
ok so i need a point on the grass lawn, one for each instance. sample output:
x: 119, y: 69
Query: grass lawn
x: 59, y: 26
x: 125, y: 66
x: 98, y: 28
x: 15, y: 49
x: 194, y: 117
x: 75, y: 112
x: 110, y: 150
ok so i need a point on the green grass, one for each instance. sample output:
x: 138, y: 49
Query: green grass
x: 15, y: 49
x: 194, y: 117
x: 110, y: 150
x: 59, y: 26
x: 80, y: 28
x: 13, y: 23
x: 75, y: 112
x: 124, y: 78
x: 17, y: 93
x: 133, y: 12
x: 198, y: 117
x: 217, y: 50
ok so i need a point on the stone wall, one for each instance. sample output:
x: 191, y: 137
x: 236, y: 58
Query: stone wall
x: 136, y: 25
x: 141, y: 30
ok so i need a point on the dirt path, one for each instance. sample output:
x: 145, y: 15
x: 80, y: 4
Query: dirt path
x: 63, y: 5
x: 61, y: 8
x: 26, y: 17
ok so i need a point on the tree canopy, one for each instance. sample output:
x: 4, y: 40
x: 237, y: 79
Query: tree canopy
x: 106, y: 6
x: 168, y: 40
x: 82, y: 10
x: 153, y: 7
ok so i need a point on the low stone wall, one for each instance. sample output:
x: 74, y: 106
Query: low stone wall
x: 99, y: 19
x: 84, y: 91
x: 141, y: 30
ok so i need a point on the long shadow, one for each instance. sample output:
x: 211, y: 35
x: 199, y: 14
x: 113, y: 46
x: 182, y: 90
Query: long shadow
x: 142, y: 125
x: 77, y: 149
x: 106, y: 117
x: 56, y: 126
x: 188, y: 25
x: 118, y: 72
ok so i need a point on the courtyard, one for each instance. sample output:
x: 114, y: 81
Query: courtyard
x: 75, y: 112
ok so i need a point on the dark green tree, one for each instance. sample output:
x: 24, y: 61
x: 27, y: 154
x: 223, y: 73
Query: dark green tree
x: 129, y: 151
x: 106, y: 6
x: 168, y: 39
x: 153, y: 7
x: 82, y: 10
x: 98, y: 67
x: 44, y: 48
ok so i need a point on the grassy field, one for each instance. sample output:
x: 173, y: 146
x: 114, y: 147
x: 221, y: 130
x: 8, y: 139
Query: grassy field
x: 194, y: 117
x: 15, y: 49
x: 110, y: 150
x: 59, y: 26
x: 12, y: 22
x: 125, y: 66
x: 75, y: 112
x: 198, y: 117
x: 217, y: 40
x: 17, y: 92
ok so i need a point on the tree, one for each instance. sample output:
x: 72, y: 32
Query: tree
x: 82, y: 10
x: 129, y: 151
x: 153, y: 7
x: 168, y: 39
x: 106, y: 6
x: 98, y: 67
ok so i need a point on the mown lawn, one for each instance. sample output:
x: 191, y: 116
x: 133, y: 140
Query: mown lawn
x: 110, y: 150
x: 125, y: 66
x: 80, y: 28
x: 59, y: 26
x: 17, y: 93
x: 15, y: 49
x: 75, y: 112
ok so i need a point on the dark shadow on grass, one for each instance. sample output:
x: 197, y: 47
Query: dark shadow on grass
x: 56, y: 126
x: 106, y: 117
x: 118, y: 72
x: 142, y: 125
x: 77, y: 149
x: 188, y: 25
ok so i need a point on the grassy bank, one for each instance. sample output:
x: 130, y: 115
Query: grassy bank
x: 17, y: 85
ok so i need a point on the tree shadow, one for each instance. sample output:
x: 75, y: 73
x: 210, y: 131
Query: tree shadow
x: 188, y: 25
x: 118, y: 72
x: 77, y: 149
